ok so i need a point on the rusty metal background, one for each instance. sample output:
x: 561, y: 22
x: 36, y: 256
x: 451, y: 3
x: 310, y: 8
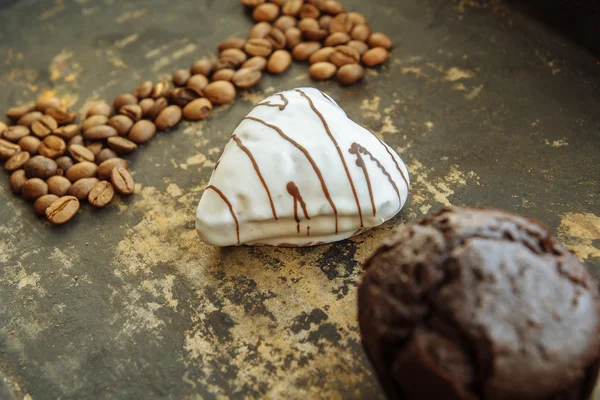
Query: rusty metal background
x: 486, y: 106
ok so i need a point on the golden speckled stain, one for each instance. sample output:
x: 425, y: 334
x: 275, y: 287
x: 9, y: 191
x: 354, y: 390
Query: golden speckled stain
x: 578, y: 231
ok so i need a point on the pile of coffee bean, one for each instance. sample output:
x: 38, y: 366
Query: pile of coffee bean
x: 56, y: 162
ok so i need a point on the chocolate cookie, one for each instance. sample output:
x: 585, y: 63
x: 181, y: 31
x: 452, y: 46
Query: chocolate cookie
x: 477, y: 304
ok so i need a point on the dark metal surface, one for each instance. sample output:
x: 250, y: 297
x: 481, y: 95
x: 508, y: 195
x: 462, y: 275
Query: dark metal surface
x: 486, y: 107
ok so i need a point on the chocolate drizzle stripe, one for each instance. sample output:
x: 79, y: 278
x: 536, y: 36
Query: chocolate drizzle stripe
x: 337, y: 147
x: 355, y: 148
x: 295, y: 193
x: 395, y: 162
x: 361, y: 163
x: 224, y: 198
x: 327, y: 97
x: 242, y: 147
x: 280, y: 106
x: 310, y: 160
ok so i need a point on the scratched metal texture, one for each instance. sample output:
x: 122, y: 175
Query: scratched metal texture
x: 487, y: 107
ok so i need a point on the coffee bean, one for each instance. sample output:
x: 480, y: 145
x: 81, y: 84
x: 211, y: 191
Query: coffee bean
x: 58, y: 185
x: 122, y: 181
x: 379, y: 39
x: 121, y: 145
x: 82, y: 188
x: 34, y: 188
x: 220, y: 92
x: 224, y: 63
x: 252, y: 3
x: 232, y: 43
x: 95, y: 147
x: 357, y: 18
x: 62, y: 115
x: 202, y: 67
x: 8, y: 149
x: 359, y: 46
x: 265, y: 12
x: 45, y: 103
x: 182, y: 96
x: 29, y: 118
x: 325, y: 21
x: 84, y: 169
x: 341, y: 23
x: 309, y: 11
x: 277, y: 38
x: 180, y: 77
x: 257, y: 63
x: 62, y: 210
x: 30, y: 144
x: 306, y: 24
x: 15, y: 133
x: 146, y: 105
x: 259, y: 31
x: 3, y: 128
x: 143, y: 91
x: 223, y: 75
x: 361, y: 32
x: 197, y: 109
x: 15, y: 113
x: 17, y: 161
x: 94, y: 120
x: 81, y: 153
x: 40, y: 167
x: 101, y: 194
x: 133, y: 111
x: 67, y: 132
x: 311, y: 30
x: 293, y: 37
x: 123, y: 100
x: 197, y: 83
x: 344, y: 55
x: 100, y: 132
x: 350, y: 74
x: 168, y: 118
x: 304, y: 50
x: 78, y: 139
x: 322, y: 71
x: 375, y: 56
x: 122, y: 123
x: 285, y: 22
x: 337, y: 39
x: 42, y: 203
x: 107, y: 166
x: 44, y: 126
x: 64, y: 163
x: 99, y: 108
x: 279, y: 62
x: 159, y: 105
x: 321, y: 55
x: 52, y: 147
x: 105, y: 154
x: 236, y: 56
x: 258, y: 47
x: 246, y: 78
x: 292, y: 7
x: 161, y: 89
x: 17, y: 180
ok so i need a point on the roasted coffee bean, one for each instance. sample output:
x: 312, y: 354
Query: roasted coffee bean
x: 322, y: 71
x: 375, y: 56
x: 45, y: 103
x: 202, y: 67
x: 52, y: 147
x: 122, y: 181
x: 122, y: 123
x: 293, y: 37
x: 307, y: 24
x: 341, y: 23
x: 8, y: 149
x: 309, y: 11
x: 121, y: 145
x: 84, y: 169
x: 105, y: 154
x: 81, y: 153
x: 332, y: 7
x: 40, y: 167
x: 259, y: 31
x: 17, y: 161
x: 42, y: 203
x: 44, y: 126
x: 361, y: 32
x: 161, y: 89
x: 265, y: 12
x: 29, y: 118
x: 78, y: 139
x: 258, y: 47
x: 220, y: 92
x: 304, y: 50
x: 237, y: 56
x: 17, y: 180
x: 257, y: 63
x: 321, y: 55
x: 82, y: 188
x: 30, y: 144
x: 3, y: 128
x: 93, y: 121
x: 107, y: 166
x: 379, y: 39
x: 95, y: 147
x: 67, y: 132
x: 168, y: 118
x: 232, y: 43
x: 123, y: 100
x: 100, y: 132
x: 359, y: 46
x: 285, y: 22
x: 337, y: 39
x: 225, y: 63
x: 325, y: 21
x: 279, y: 62
x: 223, y: 75
x: 133, y: 111
x: 34, y: 188
x: 159, y: 105
x: 246, y: 78
x: 279, y: 3
x: 144, y: 90
x: 58, y: 185
x: 350, y: 74
x: 101, y: 194
x: 292, y: 7
x: 99, y: 108
x: 146, y: 105
x: 252, y: 3
x: 179, y: 79
x: 15, y: 113
x: 357, y: 18
x: 277, y: 38
x: 311, y: 30
x: 344, y: 55
x: 62, y: 115
x: 197, y: 109
x: 62, y: 210
x: 64, y: 163
x: 197, y: 83
x: 182, y: 96
x: 15, y: 133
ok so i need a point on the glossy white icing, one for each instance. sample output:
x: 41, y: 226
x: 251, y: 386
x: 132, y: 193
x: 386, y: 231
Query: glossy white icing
x: 299, y: 172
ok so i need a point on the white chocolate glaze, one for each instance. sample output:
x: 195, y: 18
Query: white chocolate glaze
x: 299, y: 172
